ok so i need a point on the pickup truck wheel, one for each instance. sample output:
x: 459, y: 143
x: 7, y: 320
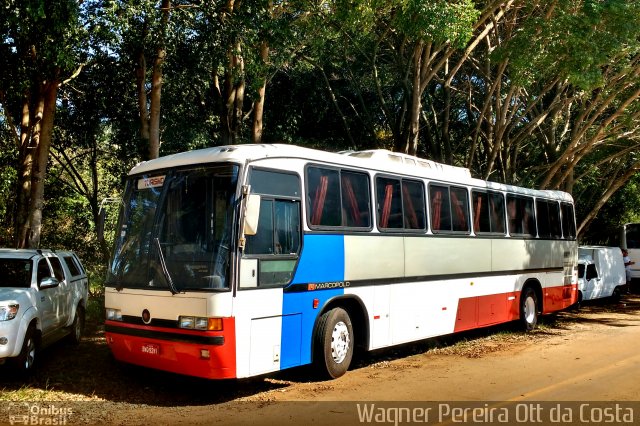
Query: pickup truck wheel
x: 28, y: 355
x: 77, y: 328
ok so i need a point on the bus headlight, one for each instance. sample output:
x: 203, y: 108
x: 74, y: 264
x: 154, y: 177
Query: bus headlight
x: 113, y: 314
x: 200, y: 323
x: 9, y: 312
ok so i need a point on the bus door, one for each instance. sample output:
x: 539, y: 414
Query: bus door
x: 267, y: 338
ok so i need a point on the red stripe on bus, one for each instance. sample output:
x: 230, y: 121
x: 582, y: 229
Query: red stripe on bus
x: 492, y: 309
x: 175, y: 356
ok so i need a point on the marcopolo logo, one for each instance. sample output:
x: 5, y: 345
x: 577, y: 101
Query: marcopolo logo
x: 26, y: 413
x: 323, y: 286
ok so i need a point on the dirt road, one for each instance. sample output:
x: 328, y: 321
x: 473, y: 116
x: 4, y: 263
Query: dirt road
x: 590, y: 355
x: 593, y: 355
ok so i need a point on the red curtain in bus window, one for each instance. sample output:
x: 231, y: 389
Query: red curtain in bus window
x: 410, y: 211
x: 354, y: 210
x: 318, y: 200
x: 476, y: 214
x: 436, y: 210
x: 386, y: 208
x: 462, y: 220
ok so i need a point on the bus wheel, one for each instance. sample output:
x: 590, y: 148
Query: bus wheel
x: 334, y: 343
x: 528, y: 309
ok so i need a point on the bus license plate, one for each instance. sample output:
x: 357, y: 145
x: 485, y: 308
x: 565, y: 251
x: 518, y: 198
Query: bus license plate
x: 151, y: 349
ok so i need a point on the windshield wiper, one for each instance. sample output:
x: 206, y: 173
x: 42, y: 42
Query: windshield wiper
x: 165, y: 271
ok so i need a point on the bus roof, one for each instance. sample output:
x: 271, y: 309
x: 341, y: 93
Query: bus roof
x: 380, y: 160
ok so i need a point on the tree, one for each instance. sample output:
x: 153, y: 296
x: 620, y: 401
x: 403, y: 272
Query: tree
x: 41, y: 49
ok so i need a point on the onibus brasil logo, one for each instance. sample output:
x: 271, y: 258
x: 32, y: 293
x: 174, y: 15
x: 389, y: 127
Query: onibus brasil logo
x: 28, y: 413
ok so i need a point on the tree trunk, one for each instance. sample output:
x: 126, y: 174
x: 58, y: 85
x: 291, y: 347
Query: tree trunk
x: 36, y: 204
x: 416, y: 105
x: 258, y: 106
x: 141, y: 73
x: 156, y: 85
x: 25, y: 167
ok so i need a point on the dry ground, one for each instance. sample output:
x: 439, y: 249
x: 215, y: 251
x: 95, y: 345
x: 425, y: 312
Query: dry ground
x: 462, y: 367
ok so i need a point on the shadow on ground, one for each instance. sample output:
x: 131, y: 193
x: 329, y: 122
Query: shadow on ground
x: 88, y: 372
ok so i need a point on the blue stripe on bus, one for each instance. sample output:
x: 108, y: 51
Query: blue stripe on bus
x: 322, y: 259
x: 298, y: 321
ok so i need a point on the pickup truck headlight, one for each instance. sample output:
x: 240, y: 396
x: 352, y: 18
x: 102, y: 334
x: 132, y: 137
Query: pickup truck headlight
x: 8, y: 312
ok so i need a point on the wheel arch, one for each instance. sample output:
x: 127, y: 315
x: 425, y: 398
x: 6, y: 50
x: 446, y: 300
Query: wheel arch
x: 357, y: 311
x: 534, y: 284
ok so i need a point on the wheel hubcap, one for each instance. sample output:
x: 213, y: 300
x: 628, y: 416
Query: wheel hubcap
x: 340, y: 342
x: 529, y: 309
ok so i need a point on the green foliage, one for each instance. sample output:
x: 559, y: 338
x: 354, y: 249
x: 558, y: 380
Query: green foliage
x: 363, y: 48
x: 573, y: 39
x: 438, y: 21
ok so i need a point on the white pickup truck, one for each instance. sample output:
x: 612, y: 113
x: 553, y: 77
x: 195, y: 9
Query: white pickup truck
x: 43, y: 295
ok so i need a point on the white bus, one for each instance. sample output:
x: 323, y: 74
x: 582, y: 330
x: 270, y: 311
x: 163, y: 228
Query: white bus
x: 237, y: 261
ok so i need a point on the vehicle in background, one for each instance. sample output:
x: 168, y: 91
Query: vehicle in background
x: 600, y: 272
x: 43, y: 295
x: 630, y: 240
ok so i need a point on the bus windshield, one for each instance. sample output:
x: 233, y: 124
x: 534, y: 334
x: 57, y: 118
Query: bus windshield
x: 174, y: 230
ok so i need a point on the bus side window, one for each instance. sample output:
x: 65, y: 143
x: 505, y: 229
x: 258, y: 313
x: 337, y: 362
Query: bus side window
x: 481, y: 216
x: 568, y: 221
x: 449, y: 208
x: 389, y: 203
x: 440, y: 208
x: 521, y: 216
x: 496, y: 205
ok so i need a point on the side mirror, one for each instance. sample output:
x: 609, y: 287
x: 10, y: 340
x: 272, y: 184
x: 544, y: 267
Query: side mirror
x: 49, y: 282
x: 251, y: 214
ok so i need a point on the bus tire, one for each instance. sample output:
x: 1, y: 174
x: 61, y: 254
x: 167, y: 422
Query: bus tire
x: 334, y: 343
x: 528, y: 309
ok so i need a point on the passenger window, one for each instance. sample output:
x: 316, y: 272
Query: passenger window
x: 488, y: 212
x: 389, y: 203
x: 521, y: 216
x: 568, y: 221
x: 324, y: 197
x: 277, y: 242
x: 496, y: 209
x: 356, y: 204
x: 57, y: 268
x: 548, y: 215
x: 449, y: 209
x: 338, y: 198
x: 413, y: 204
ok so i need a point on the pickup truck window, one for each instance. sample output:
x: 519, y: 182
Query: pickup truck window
x: 15, y: 273
x: 73, y: 268
x: 43, y: 270
x: 57, y: 268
